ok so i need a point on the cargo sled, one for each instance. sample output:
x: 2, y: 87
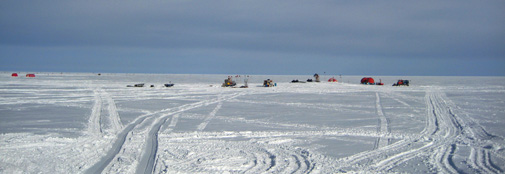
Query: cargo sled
x: 136, y: 85
x: 297, y: 81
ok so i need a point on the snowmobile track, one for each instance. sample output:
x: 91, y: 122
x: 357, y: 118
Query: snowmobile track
x: 149, y: 150
x: 383, y: 124
x: 438, y: 138
x: 94, y: 125
x: 147, y: 162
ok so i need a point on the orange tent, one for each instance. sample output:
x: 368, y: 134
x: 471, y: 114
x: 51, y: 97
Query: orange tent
x: 367, y: 80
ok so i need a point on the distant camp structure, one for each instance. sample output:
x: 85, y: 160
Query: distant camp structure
x: 30, y: 75
x: 229, y: 82
x: 370, y: 81
x: 269, y: 83
x: 332, y: 79
x: 297, y: 81
x: 317, y: 77
x: 246, y: 79
x: 139, y: 85
x: 14, y: 75
x: 169, y: 84
x: 402, y: 83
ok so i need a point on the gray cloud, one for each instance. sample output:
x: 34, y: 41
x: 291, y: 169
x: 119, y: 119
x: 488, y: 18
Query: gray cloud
x: 282, y: 33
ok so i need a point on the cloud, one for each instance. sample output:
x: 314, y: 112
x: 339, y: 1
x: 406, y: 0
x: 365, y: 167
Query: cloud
x: 242, y: 30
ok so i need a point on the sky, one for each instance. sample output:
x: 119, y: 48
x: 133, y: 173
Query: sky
x: 416, y: 38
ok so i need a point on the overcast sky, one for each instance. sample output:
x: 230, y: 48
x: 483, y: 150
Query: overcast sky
x: 254, y: 37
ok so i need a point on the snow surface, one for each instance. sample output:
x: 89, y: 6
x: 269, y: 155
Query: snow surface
x: 85, y: 123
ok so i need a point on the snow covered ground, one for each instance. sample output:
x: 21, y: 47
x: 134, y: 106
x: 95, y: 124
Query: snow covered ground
x: 85, y: 123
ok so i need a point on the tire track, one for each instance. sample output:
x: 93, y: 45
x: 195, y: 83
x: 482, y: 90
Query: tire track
x: 94, y: 122
x: 441, y: 131
x: 149, y: 157
x: 114, y: 118
x: 119, y: 143
x: 212, y: 114
x: 438, y: 137
x: 383, y: 124
x: 197, y: 155
x: 151, y: 148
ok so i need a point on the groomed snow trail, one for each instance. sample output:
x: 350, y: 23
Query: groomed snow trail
x: 94, y: 124
x: 114, y: 119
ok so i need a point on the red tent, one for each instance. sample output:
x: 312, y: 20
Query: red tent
x: 30, y: 75
x: 332, y: 80
x: 367, y: 80
x: 14, y: 74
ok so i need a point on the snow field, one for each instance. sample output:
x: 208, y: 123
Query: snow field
x: 83, y: 123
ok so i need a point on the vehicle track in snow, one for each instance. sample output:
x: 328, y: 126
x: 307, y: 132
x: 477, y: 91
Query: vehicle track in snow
x: 442, y: 137
x: 114, y: 119
x: 146, y: 164
x: 146, y: 154
x: 97, y: 131
x: 206, y: 121
x: 383, y: 124
x: 94, y: 123
x: 252, y: 157
x: 202, y: 155
x: 439, y: 138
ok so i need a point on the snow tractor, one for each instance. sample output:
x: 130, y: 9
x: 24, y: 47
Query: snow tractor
x: 269, y: 83
x: 402, y: 83
x: 229, y: 82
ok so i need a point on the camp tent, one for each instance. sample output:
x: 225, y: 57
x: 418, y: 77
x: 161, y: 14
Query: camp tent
x: 14, y: 74
x: 367, y: 80
x: 30, y: 75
